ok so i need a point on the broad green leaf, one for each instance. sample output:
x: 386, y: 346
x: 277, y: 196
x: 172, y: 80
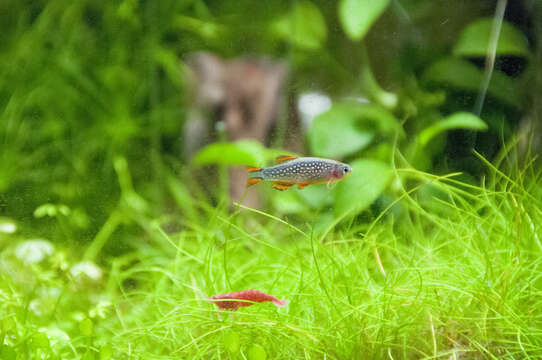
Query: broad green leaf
x: 357, y: 16
x: 474, y: 40
x: 8, y: 324
x: 304, y: 26
x: 463, y: 75
x: 89, y: 355
x: 243, y: 152
x: 460, y: 120
x: 316, y: 196
x: 7, y: 353
x: 368, y: 180
x: 86, y: 327
x: 288, y: 202
x: 106, y: 352
x: 232, y: 341
x: 40, y: 340
x: 347, y: 128
x: 256, y: 352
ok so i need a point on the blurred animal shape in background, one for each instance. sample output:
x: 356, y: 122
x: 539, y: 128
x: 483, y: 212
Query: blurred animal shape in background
x: 244, y: 298
x: 241, y: 96
x: 301, y: 171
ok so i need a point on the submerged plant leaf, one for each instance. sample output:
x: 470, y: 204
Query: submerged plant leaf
x: 86, y: 327
x: 357, y: 16
x: 347, y: 128
x: 474, y: 40
x: 304, y: 26
x: 460, y: 120
x: 256, y: 352
x: 7, y: 353
x: 463, y: 75
x: 232, y: 341
x: 368, y: 180
x: 243, y: 152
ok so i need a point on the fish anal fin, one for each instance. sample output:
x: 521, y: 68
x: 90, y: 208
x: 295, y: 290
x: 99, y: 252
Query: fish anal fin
x: 283, y: 158
x: 253, y: 169
x: 281, y: 186
x: 302, y: 185
x: 253, y: 181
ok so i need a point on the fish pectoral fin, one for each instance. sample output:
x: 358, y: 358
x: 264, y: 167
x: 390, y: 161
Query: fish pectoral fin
x: 281, y: 186
x: 253, y: 181
x: 330, y: 184
x: 302, y: 186
x: 283, y: 158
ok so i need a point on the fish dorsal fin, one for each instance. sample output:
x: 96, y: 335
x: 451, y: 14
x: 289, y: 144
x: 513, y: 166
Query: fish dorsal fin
x: 253, y: 169
x: 283, y: 158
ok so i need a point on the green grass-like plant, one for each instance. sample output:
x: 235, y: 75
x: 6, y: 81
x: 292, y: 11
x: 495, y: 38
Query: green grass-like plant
x: 455, y: 277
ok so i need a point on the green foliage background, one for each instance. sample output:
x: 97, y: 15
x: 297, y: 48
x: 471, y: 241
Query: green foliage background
x: 93, y: 98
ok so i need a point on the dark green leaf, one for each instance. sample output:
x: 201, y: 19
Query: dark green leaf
x: 368, y: 180
x: 304, y: 26
x: 357, y: 16
x: 460, y: 120
x: 474, y: 40
x: 347, y: 128
x: 463, y: 75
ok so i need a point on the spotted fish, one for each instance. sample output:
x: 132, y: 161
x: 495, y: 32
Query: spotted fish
x: 302, y: 172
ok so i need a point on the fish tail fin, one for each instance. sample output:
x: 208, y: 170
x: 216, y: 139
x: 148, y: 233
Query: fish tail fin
x: 253, y: 175
x: 281, y: 303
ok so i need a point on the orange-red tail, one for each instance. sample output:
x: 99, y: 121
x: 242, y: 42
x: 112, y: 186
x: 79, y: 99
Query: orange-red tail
x: 255, y: 179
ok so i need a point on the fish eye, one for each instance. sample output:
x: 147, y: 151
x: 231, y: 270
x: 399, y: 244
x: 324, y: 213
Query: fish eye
x: 345, y: 169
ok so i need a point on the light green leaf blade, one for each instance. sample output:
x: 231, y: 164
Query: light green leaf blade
x: 243, y: 152
x: 357, y: 192
x: 474, y: 40
x: 460, y: 120
x: 357, y: 16
x: 304, y: 26
x: 349, y: 127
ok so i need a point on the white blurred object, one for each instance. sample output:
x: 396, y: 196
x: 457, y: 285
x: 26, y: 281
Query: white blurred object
x: 88, y: 268
x: 311, y: 105
x: 7, y: 226
x: 34, y: 251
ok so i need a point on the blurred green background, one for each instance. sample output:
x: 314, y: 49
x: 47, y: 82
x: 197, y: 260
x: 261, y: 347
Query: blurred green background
x: 94, y: 97
x: 125, y: 130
